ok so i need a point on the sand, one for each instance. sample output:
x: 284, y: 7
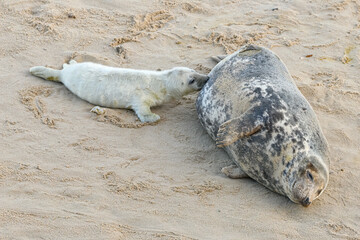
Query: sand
x: 66, y: 173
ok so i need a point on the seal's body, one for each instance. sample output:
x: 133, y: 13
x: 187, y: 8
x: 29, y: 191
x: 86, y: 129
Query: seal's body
x: 252, y: 108
x: 124, y: 88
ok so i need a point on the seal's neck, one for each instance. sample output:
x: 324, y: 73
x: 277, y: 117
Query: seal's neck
x: 175, y: 88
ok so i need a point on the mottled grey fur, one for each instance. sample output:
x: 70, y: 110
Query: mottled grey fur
x: 252, y: 108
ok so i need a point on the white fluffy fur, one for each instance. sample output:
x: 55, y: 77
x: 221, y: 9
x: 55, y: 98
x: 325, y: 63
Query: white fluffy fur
x: 124, y: 88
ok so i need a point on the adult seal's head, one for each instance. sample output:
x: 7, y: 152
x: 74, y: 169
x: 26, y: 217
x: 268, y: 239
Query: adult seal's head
x: 252, y: 108
x: 308, y: 180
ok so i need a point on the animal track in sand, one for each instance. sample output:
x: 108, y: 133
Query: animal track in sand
x: 89, y: 145
x: 117, y: 43
x: 328, y: 80
x: 203, y: 69
x: 169, y: 3
x: 6, y: 171
x: 150, y: 22
x: 45, y: 19
x: 119, y: 185
x: 132, y: 187
x: 323, y: 45
x: 138, y: 26
x: 232, y: 41
x: 83, y: 56
x: 318, y: 101
x: 198, y: 189
x: 187, y: 6
x: 121, y: 40
x: 119, y: 231
x: 192, y: 8
x: 32, y: 98
x: 12, y: 128
x: 342, y: 231
x: 23, y: 173
x: 121, y: 117
x: 352, y: 94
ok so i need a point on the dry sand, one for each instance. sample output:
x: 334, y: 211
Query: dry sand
x: 66, y: 173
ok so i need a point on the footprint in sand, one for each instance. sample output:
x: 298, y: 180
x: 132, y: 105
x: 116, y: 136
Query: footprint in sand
x: 119, y: 231
x: 33, y: 99
x: 150, y: 22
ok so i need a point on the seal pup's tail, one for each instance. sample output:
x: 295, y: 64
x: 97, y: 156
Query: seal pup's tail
x: 46, y: 73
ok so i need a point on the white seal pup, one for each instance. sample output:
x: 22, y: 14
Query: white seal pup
x: 124, y: 88
x: 252, y: 108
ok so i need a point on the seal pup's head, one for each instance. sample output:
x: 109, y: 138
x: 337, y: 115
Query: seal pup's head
x: 182, y: 80
x: 310, y: 179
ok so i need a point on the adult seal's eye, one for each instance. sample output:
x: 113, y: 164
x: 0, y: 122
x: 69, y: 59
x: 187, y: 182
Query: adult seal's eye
x: 310, y: 176
x: 191, y: 81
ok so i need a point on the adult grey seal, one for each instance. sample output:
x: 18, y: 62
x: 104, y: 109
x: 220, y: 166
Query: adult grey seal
x: 252, y: 108
x: 123, y: 87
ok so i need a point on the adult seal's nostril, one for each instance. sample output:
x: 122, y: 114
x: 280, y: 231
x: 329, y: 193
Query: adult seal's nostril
x: 306, y: 202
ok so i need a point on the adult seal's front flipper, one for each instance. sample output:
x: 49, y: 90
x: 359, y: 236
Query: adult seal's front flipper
x: 246, y: 125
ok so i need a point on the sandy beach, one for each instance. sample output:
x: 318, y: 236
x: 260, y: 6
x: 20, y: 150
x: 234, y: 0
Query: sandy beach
x: 66, y: 173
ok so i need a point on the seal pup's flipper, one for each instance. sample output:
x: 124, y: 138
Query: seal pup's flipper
x: 46, y: 73
x: 98, y: 110
x: 144, y: 113
x: 233, y: 171
x: 234, y: 129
